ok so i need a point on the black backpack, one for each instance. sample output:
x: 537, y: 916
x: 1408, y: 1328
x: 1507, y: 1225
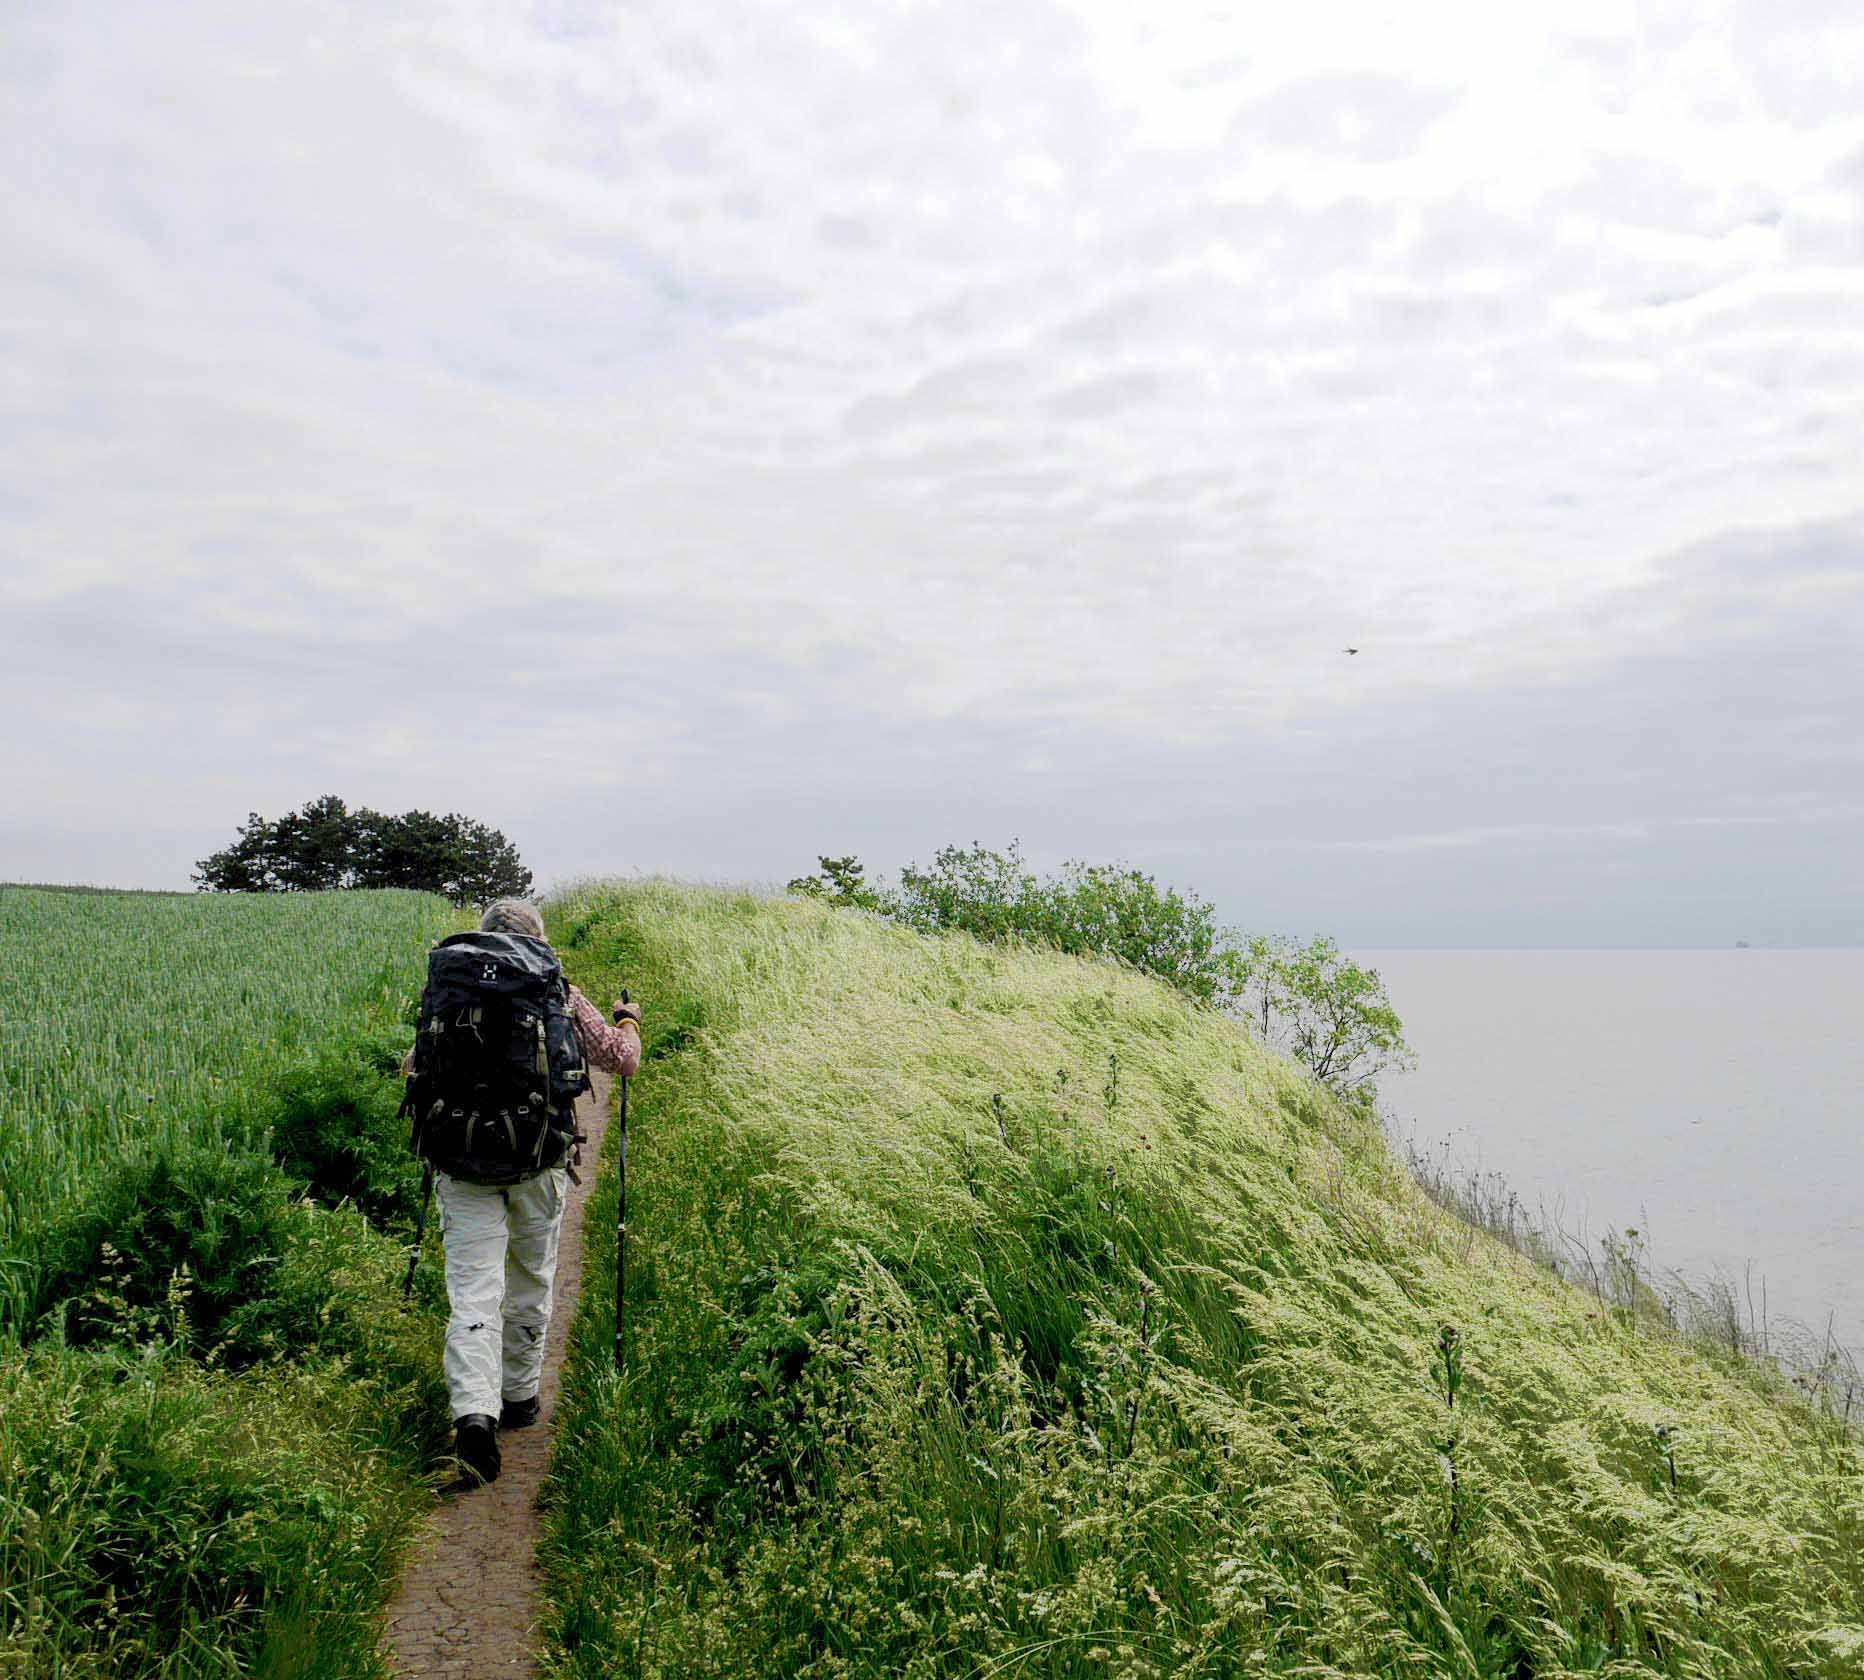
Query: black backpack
x: 497, y: 1067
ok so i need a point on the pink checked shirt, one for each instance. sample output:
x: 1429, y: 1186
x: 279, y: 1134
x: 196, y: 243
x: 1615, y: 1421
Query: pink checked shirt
x: 612, y: 1049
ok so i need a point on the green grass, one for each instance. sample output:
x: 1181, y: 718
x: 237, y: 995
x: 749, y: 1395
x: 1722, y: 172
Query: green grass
x: 999, y: 1314
x: 217, y: 1409
x: 135, y: 1024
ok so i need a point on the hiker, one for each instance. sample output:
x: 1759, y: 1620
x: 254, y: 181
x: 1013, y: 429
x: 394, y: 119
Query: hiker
x: 499, y: 1221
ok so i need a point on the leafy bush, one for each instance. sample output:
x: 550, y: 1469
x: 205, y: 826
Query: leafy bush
x: 335, y: 1128
x: 220, y: 1257
x: 1108, y: 910
x: 764, y: 1426
x: 202, y: 1237
x: 990, y: 895
x: 1117, y: 911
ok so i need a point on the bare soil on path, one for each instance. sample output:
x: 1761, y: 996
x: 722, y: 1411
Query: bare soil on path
x: 470, y: 1595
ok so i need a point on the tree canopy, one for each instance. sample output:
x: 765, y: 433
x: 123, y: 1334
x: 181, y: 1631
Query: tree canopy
x: 328, y: 846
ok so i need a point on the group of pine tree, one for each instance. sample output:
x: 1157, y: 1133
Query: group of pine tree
x: 326, y: 846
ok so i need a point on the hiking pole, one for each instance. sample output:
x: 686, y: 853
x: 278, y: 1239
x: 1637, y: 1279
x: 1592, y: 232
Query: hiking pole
x: 420, y: 1230
x: 621, y: 1219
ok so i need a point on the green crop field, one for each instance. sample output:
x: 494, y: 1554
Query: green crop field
x: 994, y: 1314
x: 134, y: 1023
x: 217, y: 1410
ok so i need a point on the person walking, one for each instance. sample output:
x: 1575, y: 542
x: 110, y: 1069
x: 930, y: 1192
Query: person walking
x: 500, y: 1236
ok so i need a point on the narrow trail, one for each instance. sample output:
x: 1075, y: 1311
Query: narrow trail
x: 469, y: 1597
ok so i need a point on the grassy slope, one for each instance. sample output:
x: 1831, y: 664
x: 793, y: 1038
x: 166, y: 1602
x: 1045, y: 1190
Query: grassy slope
x: 1129, y: 1375
x: 209, y: 1446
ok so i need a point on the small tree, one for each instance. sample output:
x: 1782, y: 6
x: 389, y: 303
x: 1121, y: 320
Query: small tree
x: 842, y: 882
x: 405, y: 851
x: 1322, y: 1008
x: 481, y: 864
x: 303, y: 851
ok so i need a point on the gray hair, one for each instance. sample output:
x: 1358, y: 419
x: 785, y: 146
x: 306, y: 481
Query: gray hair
x: 513, y: 915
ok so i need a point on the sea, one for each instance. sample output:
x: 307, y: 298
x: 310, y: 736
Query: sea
x: 1712, y: 1100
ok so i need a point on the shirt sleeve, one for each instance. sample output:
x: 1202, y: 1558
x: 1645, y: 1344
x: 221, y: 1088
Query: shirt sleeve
x: 612, y: 1049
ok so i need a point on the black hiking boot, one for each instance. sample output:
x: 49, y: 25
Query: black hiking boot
x: 475, y: 1444
x: 518, y: 1414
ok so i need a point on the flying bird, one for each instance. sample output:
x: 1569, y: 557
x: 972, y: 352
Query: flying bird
x: 1349, y: 650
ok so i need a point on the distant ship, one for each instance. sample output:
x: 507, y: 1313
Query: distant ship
x: 1742, y: 945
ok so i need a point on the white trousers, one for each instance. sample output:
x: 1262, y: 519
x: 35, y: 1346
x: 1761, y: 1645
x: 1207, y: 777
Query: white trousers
x: 501, y: 1244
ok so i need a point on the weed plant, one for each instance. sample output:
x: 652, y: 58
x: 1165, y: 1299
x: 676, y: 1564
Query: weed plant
x: 997, y: 1313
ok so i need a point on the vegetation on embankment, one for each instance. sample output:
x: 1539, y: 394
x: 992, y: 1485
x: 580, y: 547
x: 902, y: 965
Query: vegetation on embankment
x: 995, y: 1313
x: 216, y: 1407
x: 1312, y: 1002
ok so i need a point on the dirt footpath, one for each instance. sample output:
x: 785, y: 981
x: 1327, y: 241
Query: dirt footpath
x: 470, y: 1594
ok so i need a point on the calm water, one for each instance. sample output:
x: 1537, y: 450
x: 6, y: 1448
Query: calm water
x: 1713, y: 1099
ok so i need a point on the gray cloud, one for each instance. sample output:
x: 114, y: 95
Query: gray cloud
x: 732, y: 432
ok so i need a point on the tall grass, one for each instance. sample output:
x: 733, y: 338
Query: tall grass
x: 1711, y: 1309
x: 994, y: 1313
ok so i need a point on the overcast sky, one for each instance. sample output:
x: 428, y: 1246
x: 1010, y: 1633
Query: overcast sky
x: 692, y: 436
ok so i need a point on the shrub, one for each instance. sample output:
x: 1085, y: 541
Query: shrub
x: 841, y: 882
x: 201, y: 1239
x: 335, y: 1129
